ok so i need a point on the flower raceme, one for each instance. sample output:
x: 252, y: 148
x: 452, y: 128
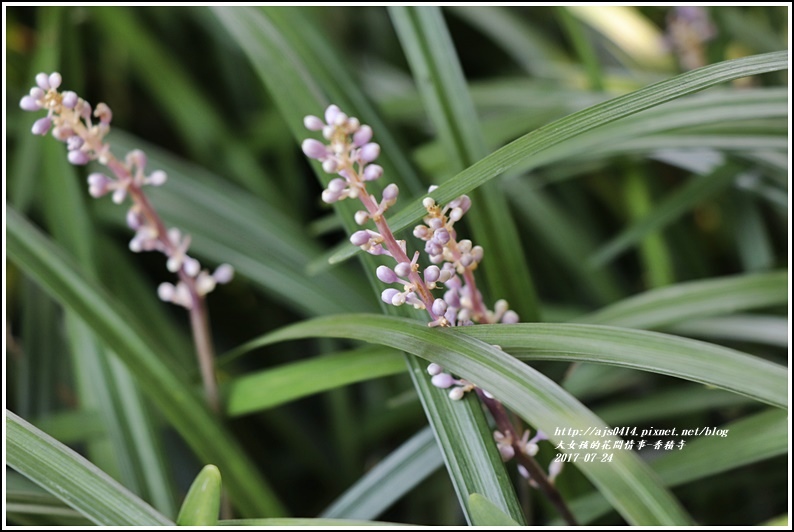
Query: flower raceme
x: 350, y: 154
x: 69, y: 117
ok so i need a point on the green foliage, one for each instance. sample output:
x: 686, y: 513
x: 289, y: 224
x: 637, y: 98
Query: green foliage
x: 641, y: 204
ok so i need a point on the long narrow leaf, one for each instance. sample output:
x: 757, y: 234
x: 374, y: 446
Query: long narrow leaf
x: 181, y: 404
x: 387, y: 482
x: 626, y: 481
x: 73, y: 479
x: 525, y: 152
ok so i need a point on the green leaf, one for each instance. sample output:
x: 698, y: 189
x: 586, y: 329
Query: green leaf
x: 626, y: 482
x: 647, y: 351
x: 486, y: 513
x: 770, y: 330
x: 273, y: 387
x: 203, y: 500
x: 527, y: 152
x: 73, y: 479
x: 695, y: 299
x: 178, y: 401
x: 442, y: 85
x: 389, y: 480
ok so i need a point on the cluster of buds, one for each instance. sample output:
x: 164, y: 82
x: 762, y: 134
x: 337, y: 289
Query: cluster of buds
x: 350, y: 154
x: 69, y: 117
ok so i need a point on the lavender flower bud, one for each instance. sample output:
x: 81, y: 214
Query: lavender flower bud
x: 134, y: 218
x: 313, y: 123
x: 386, y: 275
x: 362, y: 136
x: 314, y: 149
x: 372, y: 172
x: 434, y: 369
x: 442, y: 380
x: 555, y: 468
x: 54, y: 80
x: 337, y: 185
x: 390, y: 193
x: 157, y: 178
x: 98, y: 185
x: 78, y: 157
x: 361, y: 217
x: 331, y: 113
x: 403, y: 269
x: 389, y: 294
x: 360, y: 238
x: 41, y: 126
x: 510, y: 317
x: 69, y: 99
x: 29, y: 103
x: 166, y: 292
x: 191, y: 266
x: 421, y: 231
x: 432, y: 273
x: 369, y: 152
x: 456, y: 394
x: 330, y: 166
x: 223, y: 273
x: 506, y: 451
x: 439, y: 307
x: 441, y: 236
x: 43, y: 81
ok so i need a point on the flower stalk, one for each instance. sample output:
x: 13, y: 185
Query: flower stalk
x: 350, y: 154
x: 70, y: 119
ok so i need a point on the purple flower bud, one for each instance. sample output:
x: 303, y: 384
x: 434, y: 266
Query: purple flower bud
x: 331, y: 113
x: 314, y: 149
x: 372, y: 172
x: 330, y: 166
x: 360, y: 238
x: 166, y: 292
x: 510, y: 317
x: 443, y: 380
x: 389, y: 294
x: 69, y: 99
x: 369, y: 152
x: 340, y: 119
x: 134, y: 218
x: 29, y: 103
x: 78, y: 157
x: 85, y: 111
x: 390, y: 193
x: 506, y: 451
x: 441, y: 236
x: 434, y: 369
x: 455, y: 214
x: 36, y: 93
x: 157, y: 178
x: 452, y: 298
x: 456, y: 394
x: 41, y: 126
x: 435, y: 223
x: 420, y: 231
x: 54, y: 80
x: 329, y: 196
x: 386, y: 275
x: 191, y: 266
x: 403, y: 269
x: 118, y: 195
x: 361, y: 217
x: 439, y: 307
x: 432, y: 273
x: 313, y: 123
x: 433, y: 248
x: 43, y: 81
x: 223, y: 273
x: 477, y: 253
x: 466, y: 260
x: 362, y: 136
x: 337, y: 185
x: 75, y: 142
x: 98, y: 186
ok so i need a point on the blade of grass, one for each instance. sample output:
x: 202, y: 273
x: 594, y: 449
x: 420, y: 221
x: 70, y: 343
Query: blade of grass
x: 626, y: 482
x: 770, y: 330
x: 273, y: 387
x: 644, y: 350
x: 179, y: 402
x: 695, y: 299
x: 526, y: 152
x: 389, y: 480
x: 74, y: 479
